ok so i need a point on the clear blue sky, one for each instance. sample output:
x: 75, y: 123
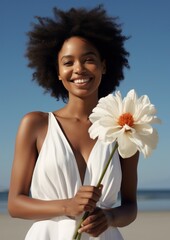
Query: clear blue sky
x: 148, y: 23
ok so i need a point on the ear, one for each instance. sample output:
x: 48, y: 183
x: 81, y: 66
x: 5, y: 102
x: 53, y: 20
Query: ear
x: 58, y: 73
x: 59, y: 77
x: 104, y: 67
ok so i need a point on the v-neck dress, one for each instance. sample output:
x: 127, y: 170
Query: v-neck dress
x: 56, y: 176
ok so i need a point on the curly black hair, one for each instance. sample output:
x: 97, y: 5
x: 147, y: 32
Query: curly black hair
x: 48, y: 35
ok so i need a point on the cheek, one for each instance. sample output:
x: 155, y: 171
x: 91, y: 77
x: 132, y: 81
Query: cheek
x: 98, y: 67
x: 64, y: 73
x: 94, y: 69
x: 98, y: 71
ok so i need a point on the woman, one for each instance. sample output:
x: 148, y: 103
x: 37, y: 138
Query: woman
x: 79, y: 57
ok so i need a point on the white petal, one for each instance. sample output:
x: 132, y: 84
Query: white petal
x: 143, y: 129
x: 129, y: 106
x: 155, y: 120
x: 126, y: 147
x: 144, y: 100
x: 95, y: 116
x: 150, y: 140
x: 146, y: 151
x: 134, y: 137
x: 133, y: 95
x: 109, y: 134
x: 94, y: 130
x: 146, y: 143
x: 109, y: 122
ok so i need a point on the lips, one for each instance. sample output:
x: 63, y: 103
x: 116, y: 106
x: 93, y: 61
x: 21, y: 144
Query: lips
x: 81, y: 80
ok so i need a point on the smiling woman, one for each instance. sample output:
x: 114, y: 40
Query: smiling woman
x: 55, y: 157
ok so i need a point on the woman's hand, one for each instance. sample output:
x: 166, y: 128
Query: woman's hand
x: 84, y: 201
x: 97, y: 222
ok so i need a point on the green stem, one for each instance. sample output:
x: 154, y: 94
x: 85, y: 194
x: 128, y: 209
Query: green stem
x: 109, y: 160
x: 86, y: 214
x: 76, y: 234
x: 79, y: 236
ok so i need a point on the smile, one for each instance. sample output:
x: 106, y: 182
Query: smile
x: 81, y: 81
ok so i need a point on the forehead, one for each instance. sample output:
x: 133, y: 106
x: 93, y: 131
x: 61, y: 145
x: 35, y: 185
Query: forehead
x: 77, y: 46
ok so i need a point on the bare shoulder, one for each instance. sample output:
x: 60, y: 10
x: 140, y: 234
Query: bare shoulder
x: 33, y: 118
x: 34, y: 121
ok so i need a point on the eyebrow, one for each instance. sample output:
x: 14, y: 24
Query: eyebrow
x: 83, y: 55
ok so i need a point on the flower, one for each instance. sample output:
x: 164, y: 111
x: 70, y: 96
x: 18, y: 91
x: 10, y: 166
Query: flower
x: 127, y: 121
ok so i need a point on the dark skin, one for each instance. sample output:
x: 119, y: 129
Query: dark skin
x: 80, y: 70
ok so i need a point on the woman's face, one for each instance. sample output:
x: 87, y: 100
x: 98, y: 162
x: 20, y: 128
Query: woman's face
x: 80, y: 67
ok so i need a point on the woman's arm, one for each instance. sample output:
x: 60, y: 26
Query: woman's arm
x: 19, y: 202
x: 31, y: 133
x: 126, y: 213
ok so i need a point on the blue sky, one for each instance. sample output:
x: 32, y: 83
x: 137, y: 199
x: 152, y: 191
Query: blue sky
x: 148, y: 24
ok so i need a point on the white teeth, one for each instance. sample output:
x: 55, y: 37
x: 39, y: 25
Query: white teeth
x: 81, y: 80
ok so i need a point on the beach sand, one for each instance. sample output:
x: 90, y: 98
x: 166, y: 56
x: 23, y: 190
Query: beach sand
x: 147, y: 226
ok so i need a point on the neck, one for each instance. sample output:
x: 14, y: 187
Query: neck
x: 81, y: 108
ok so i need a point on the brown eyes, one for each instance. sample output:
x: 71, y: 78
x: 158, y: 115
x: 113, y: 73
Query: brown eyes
x: 68, y: 63
x: 89, y: 60
x: 86, y: 60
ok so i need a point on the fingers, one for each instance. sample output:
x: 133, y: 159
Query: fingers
x: 85, y: 200
x: 91, y: 192
x: 95, y: 224
x: 88, y: 196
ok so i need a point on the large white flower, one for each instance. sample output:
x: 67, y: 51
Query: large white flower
x: 127, y: 121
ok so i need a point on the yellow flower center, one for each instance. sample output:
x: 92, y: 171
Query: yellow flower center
x: 126, y: 118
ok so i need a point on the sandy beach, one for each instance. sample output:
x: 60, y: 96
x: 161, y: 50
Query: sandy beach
x: 148, y: 226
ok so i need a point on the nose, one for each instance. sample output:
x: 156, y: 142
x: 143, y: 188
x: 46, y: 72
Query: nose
x: 79, y: 68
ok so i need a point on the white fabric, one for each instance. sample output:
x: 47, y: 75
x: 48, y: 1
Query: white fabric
x: 56, y: 176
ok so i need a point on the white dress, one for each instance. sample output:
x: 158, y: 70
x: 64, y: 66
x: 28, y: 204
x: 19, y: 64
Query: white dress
x: 56, y: 176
